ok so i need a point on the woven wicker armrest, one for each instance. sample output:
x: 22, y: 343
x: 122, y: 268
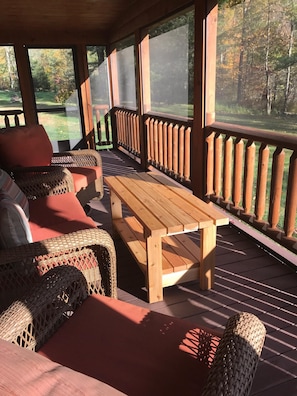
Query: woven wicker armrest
x: 237, y: 356
x: 85, y: 157
x: 37, y: 182
x: 31, y: 320
x: 92, y: 251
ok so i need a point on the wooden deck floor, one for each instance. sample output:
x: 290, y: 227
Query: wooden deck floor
x: 247, y: 278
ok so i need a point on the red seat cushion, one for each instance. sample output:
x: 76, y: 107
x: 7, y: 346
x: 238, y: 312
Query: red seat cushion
x: 57, y: 215
x: 137, y: 351
x: 25, y: 146
x: 24, y: 372
x: 83, y: 176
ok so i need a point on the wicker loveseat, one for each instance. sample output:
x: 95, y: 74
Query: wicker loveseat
x: 57, y: 233
x: 29, y: 146
x: 118, y: 348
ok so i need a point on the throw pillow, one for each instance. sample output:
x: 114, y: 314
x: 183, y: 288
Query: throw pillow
x: 9, y: 187
x: 25, y: 146
x: 14, y: 226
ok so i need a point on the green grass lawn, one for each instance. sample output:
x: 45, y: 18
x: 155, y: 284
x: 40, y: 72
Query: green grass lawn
x: 238, y: 116
x: 58, y: 124
x: 277, y: 123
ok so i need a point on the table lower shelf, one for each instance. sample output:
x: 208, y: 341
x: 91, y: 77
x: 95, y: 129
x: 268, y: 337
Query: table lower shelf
x: 180, y: 255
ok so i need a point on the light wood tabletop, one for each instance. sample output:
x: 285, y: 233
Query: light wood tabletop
x: 162, y: 212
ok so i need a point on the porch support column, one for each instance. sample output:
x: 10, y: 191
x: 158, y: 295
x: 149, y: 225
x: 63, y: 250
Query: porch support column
x: 142, y: 90
x: 85, y: 89
x: 26, y: 84
x: 114, y: 92
x: 204, y: 89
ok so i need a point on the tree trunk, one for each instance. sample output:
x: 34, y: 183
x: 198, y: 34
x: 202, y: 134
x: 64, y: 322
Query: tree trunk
x: 267, y: 68
x: 288, y: 76
x: 240, y: 84
x: 10, y: 67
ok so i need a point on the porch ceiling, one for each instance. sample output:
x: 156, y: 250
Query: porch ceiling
x: 63, y: 15
x: 58, y: 22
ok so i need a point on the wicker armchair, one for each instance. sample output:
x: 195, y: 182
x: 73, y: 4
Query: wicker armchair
x: 75, y: 159
x: 29, y: 322
x: 237, y: 356
x: 32, y: 321
x: 92, y: 251
x: 85, y: 164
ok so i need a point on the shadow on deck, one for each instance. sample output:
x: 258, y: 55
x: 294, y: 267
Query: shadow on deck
x: 247, y: 278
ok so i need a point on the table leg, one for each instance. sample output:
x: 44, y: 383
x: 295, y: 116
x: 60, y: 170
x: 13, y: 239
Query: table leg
x: 115, y: 208
x: 207, y: 258
x: 154, y: 268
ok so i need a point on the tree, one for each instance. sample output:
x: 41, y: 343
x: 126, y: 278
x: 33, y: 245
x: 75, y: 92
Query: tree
x: 52, y: 69
x: 257, y: 54
x: 291, y: 11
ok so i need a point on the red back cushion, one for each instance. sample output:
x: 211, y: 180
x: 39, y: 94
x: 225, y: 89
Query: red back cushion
x: 25, y: 146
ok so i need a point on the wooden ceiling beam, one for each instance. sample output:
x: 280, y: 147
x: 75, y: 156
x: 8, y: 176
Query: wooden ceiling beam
x: 52, y: 38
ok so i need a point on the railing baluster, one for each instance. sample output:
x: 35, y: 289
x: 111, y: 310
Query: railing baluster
x: 117, y: 121
x: 148, y: 136
x: 133, y: 133
x: 160, y: 145
x: 98, y: 125
x: 16, y: 120
x: 130, y: 136
x: 181, y: 152
x: 152, y: 139
x: 123, y: 127
x: 291, y: 200
x: 6, y: 121
x: 249, y: 177
x: 170, y: 147
x: 155, y: 140
x: 237, y: 173
x: 107, y: 131
x: 127, y: 129
x: 276, y: 187
x: 218, y: 165
x: 210, y: 164
x: 227, y: 169
x: 165, y: 148
x: 175, y: 150
x: 137, y: 127
x: 187, y: 170
x: 260, y: 204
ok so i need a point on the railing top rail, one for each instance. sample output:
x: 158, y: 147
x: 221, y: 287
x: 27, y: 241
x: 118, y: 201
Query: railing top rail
x: 284, y: 140
x: 134, y: 111
x: 170, y: 118
x: 161, y: 117
x: 10, y: 112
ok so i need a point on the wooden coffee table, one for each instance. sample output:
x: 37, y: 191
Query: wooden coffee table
x: 162, y: 213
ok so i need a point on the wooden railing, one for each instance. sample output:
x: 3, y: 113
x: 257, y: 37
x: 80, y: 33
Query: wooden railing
x: 253, y: 174
x: 103, y: 134
x: 168, y: 145
x: 128, y: 132
x: 249, y: 172
x: 11, y: 117
x: 167, y: 141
